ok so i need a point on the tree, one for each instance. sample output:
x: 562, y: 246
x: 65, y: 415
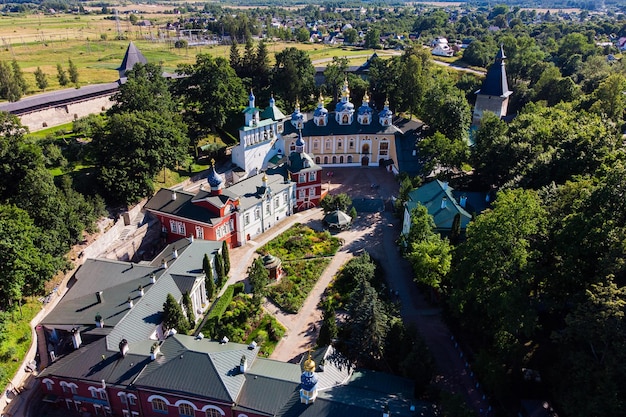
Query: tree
x: 334, y: 76
x: 442, y: 153
x: 73, y: 72
x: 62, y: 76
x: 350, y: 36
x: 9, y: 87
x: 372, y: 38
x: 219, y: 269
x: 191, y: 317
x: 294, y: 76
x: 235, y: 57
x: 210, y: 89
x: 24, y: 264
x: 302, y: 35
x: 331, y: 203
x: 226, y: 257
x: 173, y: 317
x: 18, y: 75
x: 133, y: 147
x: 610, y: 97
x: 41, y: 79
x: 259, y: 278
x: 209, y: 282
x: 592, y: 353
x: 493, y: 295
x: 145, y: 89
x: 455, y: 233
x: 328, y: 329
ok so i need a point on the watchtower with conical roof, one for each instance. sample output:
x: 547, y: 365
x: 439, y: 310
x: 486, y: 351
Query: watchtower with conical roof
x: 494, y: 93
x: 132, y: 56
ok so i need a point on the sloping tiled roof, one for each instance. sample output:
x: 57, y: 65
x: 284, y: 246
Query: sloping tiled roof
x: 495, y: 83
x: 431, y: 195
x: 132, y: 56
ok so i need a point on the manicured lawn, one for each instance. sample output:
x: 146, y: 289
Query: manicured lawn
x: 16, y: 338
x: 305, y: 254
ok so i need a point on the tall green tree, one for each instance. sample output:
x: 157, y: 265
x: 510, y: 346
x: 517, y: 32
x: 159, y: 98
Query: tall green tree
x: 209, y: 282
x: 219, y: 269
x: 19, y: 77
x: 62, y: 76
x: 226, y: 257
x: 334, y: 76
x: 145, y: 89
x: 210, y: 89
x: 191, y: 317
x: 259, y: 278
x: 173, y: 316
x: 293, y: 76
x: 9, y: 87
x: 73, y: 72
x: 41, y: 79
x: 133, y: 147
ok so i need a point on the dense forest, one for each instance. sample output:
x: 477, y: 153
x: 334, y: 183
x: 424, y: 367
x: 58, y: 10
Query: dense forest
x: 539, y: 280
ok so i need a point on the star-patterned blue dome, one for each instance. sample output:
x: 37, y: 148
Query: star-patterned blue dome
x: 308, y: 381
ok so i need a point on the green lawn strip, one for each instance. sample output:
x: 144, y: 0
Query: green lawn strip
x: 16, y: 338
x: 292, y: 290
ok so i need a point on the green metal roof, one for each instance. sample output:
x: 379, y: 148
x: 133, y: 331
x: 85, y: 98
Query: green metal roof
x: 431, y: 195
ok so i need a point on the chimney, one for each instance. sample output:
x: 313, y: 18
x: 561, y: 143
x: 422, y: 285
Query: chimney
x: 140, y: 289
x: 444, y: 185
x: 463, y: 201
x: 76, y: 339
x: 444, y: 202
x: 243, y: 364
x: 130, y: 302
x: 173, y: 195
x: 174, y: 253
x: 99, y: 321
x: 164, y: 264
x: 99, y: 297
x: 152, y: 278
x: 123, y: 347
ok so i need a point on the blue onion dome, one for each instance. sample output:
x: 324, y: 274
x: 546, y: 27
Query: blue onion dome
x: 214, y: 179
x: 308, y: 381
x: 385, y: 112
x: 365, y: 107
x: 297, y: 115
x: 300, y: 141
x: 320, y: 110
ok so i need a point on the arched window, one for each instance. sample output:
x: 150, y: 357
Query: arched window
x: 366, y: 149
x: 325, y: 159
x: 185, y: 409
x: 341, y: 159
x: 212, y: 412
x: 159, y: 405
x: 317, y: 159
x: 349, y: 159
x: 334, y: 159
x: 49, y: 383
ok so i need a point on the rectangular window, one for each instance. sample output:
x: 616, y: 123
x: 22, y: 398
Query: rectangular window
x: 328, y: 145
x: 246, y: 219
x: 199, y: 232
x: 276, y: 202
x: 97, y: 408
x: 302, y: 178
x: 384, y: 148
x: 339, y: 144
x: 94, y: 393
x: 285, y: 198
x: 267, y: 208
x: 312, y: 176
x: 301, y: 193
x: 218, y: 232
x: 257, y: 214
x: 132, y: 399
x: 123, y: 399
x: 311, y: 192
x: 316, y: 145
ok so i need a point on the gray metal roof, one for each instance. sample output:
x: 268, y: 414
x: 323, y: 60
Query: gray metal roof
x: 94, y: 362
x: 261, y: 394
x: 116, y: 280
x: 199, y: 367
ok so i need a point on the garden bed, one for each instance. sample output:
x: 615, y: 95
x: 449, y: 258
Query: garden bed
x: 305, y: 254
